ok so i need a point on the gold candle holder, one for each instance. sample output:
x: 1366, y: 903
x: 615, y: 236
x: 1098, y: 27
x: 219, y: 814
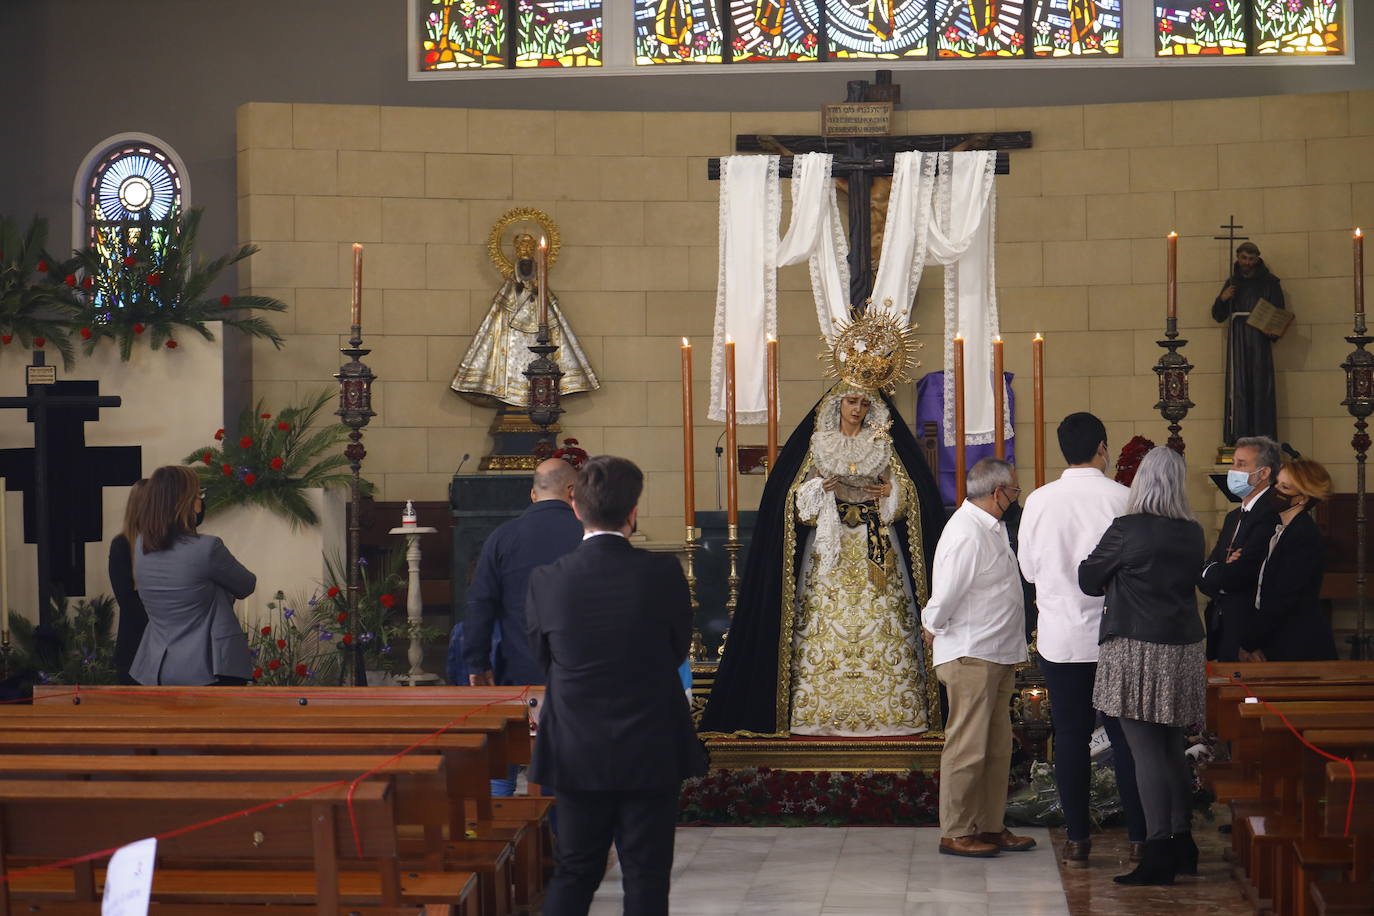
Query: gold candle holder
x: 732, y: 546
x: 690, y: 544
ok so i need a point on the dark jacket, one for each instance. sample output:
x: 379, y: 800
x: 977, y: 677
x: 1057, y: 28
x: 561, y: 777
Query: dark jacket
x: 1289, y: 625
x: 541, y: 534
x: 1231, y: 586
x: 1146, y: 565
x: 133, y: 619
x: 610, y: 624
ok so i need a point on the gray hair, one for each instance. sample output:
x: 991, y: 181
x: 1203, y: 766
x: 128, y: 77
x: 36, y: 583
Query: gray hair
x: 989, y: 474
x: 1160, y: 486
x: 1267, y: 454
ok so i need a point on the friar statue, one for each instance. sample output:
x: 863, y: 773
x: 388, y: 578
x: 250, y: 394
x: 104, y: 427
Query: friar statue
x: 493, y: 368
x: 1250, y: 409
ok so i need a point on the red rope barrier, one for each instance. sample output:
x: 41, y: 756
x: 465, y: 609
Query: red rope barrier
x: 1350, y: 764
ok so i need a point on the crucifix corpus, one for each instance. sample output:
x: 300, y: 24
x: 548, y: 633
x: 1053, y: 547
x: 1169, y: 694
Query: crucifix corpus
x: 856, y: 133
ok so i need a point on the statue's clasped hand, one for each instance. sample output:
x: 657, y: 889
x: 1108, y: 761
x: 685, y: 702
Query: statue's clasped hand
x: 881, y: 489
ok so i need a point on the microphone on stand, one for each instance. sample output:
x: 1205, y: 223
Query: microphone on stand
x: 459, y: 469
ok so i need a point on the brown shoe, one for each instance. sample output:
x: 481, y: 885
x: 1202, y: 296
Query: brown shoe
x: 1076, y: 854
x: 970, y: 846
x: 1007, y: 841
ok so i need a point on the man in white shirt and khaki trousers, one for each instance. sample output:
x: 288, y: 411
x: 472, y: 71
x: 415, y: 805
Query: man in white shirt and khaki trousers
x: 1062, y: 524
x: 975, y: 622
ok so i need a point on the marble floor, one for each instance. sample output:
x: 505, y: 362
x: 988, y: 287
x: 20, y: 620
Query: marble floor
x: 855, y: 871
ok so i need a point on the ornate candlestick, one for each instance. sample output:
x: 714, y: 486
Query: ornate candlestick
x: 1173, y: 368
x: 690, y: 544
x: 732, y: 546
x: 414, y: 600
x: 545, y: 377
x: 1359, y: 400
x: 355, y: 411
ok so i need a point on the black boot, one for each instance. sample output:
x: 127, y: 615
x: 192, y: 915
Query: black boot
x: 1185, y: 854
x: 1156, y: 865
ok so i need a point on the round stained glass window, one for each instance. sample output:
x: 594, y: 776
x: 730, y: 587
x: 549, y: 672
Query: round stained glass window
x: 132, y: 181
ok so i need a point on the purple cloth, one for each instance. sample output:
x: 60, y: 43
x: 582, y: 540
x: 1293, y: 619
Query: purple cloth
x: 930, y: 407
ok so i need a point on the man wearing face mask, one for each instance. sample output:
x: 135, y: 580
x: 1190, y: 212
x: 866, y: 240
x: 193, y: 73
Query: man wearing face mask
x: 1231, y: 573
x: 975, y: 624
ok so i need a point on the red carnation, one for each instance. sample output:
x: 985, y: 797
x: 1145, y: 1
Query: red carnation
x: 39, y: 341
x: 387, y: 601
x: 42, y: 267
x: 6, y: 338
x: 225, y: 300
x: 265, y: 416
x: 281, y: 644
x: 257, y: 673
x: 87, y: 283
x: 171, y: 345
x: 207, y: 457
x: 343, y: 618
x: 274, y: 664
x: 70, y: 280
x: 246, y: 442
x: 348, y: 639
x: 333, y: 591
x: 85, y: 333
x: 129, y: 261
x: 138, y: 328
x: 283, y: 426
x: 219, y: 434
x: 154, y: 279
x: 301, y: 670
x: 226, y: 469
x: 277, y: 464
x: 266, y: 631
x: 250, y: 479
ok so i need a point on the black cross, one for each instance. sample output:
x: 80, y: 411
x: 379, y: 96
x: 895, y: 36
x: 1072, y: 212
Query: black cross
x: 62, y: 479
x: 1231, y: 238
x: 860, y: 159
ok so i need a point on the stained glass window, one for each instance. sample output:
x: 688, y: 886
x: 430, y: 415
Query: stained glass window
x: 558, y: 33
x: 1298, y: 27
x: 678, y: 31
x: 133, y: 188
x: 1200, y: 27
x: 980, y: 28
x: 1076, y: 28
x: 463, y: 35
x: 487, y: 34
x: 884, y: 29
x: 775, y: 30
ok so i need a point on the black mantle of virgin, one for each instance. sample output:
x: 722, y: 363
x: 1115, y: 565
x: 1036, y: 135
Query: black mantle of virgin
x: 744, y: 697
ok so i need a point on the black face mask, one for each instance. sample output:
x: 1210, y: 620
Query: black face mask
x: 200, y: 515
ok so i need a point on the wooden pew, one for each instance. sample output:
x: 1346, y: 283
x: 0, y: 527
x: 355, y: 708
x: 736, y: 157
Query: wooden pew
x: 56, y: 819
x: 1356, y: 895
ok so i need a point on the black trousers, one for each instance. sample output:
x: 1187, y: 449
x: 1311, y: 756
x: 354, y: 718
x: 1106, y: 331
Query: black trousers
x: 1165, y: 779
x: 1074, y: 718
x: 641, y: 824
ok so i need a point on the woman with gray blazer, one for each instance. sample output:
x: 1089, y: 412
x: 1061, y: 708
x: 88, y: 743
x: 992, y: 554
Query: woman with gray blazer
x: 188, y: 583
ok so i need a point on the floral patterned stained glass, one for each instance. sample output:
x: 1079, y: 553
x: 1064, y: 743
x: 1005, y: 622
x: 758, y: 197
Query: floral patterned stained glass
x: 1298, y: 27
x: 980, y: 28
x: 558, y: 33
x: 134, y: 188
x: 775, y: 30
x: 1200, y: 27
x: 678, y: 31
x: 1076, y: 28
x: 877, y: 29
x: 463, y: 35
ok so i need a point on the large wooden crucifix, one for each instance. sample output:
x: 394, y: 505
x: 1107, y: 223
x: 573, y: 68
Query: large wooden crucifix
x: 860, y: 160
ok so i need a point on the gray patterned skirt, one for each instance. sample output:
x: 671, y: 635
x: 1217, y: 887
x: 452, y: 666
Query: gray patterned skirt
x: 1152, y: 682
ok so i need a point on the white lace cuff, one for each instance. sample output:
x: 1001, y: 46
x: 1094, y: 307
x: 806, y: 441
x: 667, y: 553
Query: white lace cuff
x: 890, y: 507
x: 816, y: 506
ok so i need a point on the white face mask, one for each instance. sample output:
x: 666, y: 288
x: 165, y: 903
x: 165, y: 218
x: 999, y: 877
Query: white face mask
x: 1238, y: 482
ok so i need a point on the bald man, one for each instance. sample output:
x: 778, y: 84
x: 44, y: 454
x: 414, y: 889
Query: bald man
x: 541, y: 534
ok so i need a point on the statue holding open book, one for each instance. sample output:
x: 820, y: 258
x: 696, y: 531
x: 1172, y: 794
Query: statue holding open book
x: 1252, y: 301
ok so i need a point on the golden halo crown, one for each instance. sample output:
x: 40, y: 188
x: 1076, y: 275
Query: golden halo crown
x: 872, y: 351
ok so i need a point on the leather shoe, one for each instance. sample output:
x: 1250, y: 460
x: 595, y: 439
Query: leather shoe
x: 1137, y: 851
x: 970, y: 846
x: 1076, y: 854
x: 1007, y: 841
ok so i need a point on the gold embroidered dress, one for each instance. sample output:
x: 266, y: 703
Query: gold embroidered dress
x: 857, y: 658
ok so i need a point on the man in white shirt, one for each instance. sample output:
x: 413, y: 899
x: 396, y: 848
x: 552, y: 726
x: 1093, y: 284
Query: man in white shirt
x: 975, y: 622
x: 1061, y: 525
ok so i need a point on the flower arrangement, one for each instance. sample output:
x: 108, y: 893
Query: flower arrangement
x: 270, y: 460
x: 290, y: 649
x: 38, y: 295
x: 1129, y: 461
x: 571, y: 453
x: 380, y: 622
x: 796, y: 798
x: 157, y: 289
x: 77, y: 647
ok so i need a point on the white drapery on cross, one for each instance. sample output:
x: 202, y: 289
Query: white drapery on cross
x: 942, y: 209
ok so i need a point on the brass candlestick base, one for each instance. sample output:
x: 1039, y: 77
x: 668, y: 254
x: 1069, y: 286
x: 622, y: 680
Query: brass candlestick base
x: 690, y: 543
x: 732, y: 546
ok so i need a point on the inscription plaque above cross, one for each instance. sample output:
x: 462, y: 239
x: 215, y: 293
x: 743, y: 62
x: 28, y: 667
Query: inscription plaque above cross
x: 864, y: 164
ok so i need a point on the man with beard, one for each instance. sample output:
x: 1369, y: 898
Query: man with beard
x: 1250, y: 407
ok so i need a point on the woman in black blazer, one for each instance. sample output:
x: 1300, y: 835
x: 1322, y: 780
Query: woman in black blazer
x: 133, y: 619
x: 1288, y: 624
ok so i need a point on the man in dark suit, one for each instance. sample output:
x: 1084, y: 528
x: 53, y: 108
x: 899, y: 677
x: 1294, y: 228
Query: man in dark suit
x: 610, y: 624
x: 1232, y: 570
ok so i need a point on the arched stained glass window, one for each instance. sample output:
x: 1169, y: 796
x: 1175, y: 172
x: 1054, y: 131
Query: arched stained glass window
x: 133, y: 187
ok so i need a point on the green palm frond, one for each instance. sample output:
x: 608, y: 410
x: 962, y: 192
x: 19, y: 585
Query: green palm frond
x: 38, y: 298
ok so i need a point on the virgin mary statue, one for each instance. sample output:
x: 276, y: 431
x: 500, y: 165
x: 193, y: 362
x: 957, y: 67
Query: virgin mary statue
x: 826, y: 637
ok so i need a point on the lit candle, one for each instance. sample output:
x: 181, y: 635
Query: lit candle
x: 960, y: 471
x: 689, y: 490
x: 357, y: 285
x: 1173, y: 275
x: 1359, y: 272
x: 1038, y: 385
x: 731, y: 452
x: 998, y: 396
x: 772, y: 403
x: 542, y: 278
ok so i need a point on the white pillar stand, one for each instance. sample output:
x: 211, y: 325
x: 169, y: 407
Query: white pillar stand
x: 414, y: 605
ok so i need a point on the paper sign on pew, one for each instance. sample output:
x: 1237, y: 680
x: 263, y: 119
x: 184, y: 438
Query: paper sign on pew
x: 129, y: 879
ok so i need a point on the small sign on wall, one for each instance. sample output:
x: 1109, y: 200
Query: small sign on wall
x: 856, y: 119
